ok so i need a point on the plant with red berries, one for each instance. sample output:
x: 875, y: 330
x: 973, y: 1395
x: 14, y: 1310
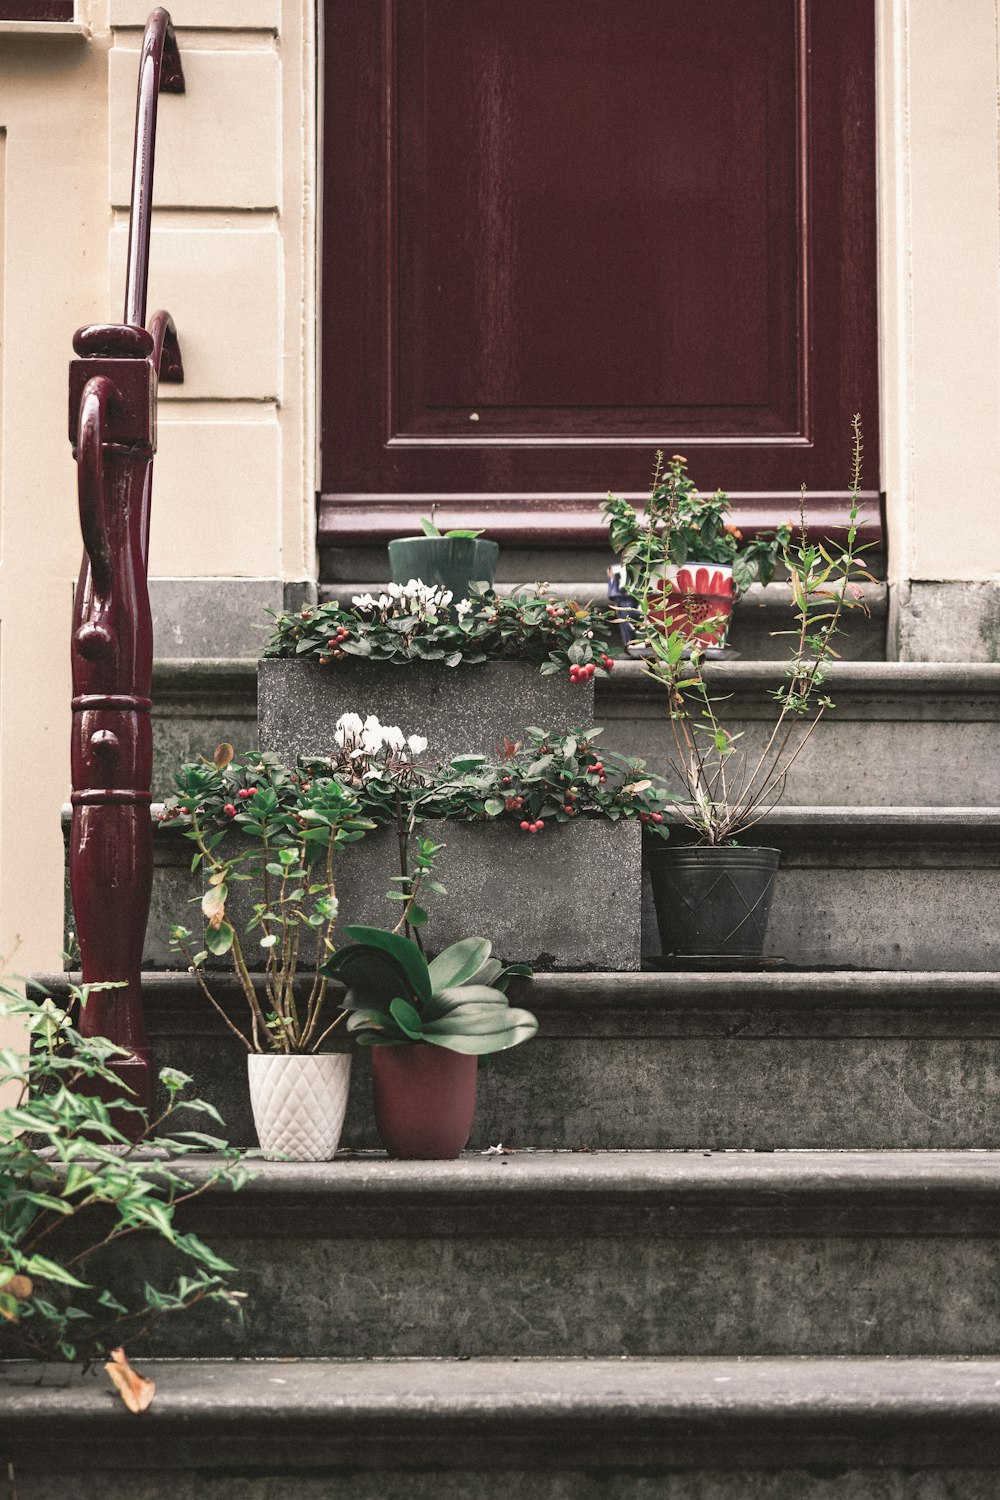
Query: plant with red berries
x: 415, y: 623
x: 545, y: 780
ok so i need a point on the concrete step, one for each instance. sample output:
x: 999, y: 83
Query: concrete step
x: 866, y: 887
x: 642, y: 1254
x: 842, y: 1060
x: 673, y: 1429
x: 913, y: 732
x: 760, y: 618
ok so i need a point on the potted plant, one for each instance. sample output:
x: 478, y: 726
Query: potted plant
x: 712, y: 892
x: 551, y: 822
x: 687, y: 559
x: 451, y: 560
x: 488, y: 666
x: 290, y: 834
x: 428, y: 1024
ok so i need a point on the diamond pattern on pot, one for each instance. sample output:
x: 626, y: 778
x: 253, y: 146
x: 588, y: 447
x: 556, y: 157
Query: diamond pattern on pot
x: 299, y: 1103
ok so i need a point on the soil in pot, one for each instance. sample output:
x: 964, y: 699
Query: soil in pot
x: 453, y: 562
x: 425, y: 1098
x: 712, y: 902
x: 299, y: 1102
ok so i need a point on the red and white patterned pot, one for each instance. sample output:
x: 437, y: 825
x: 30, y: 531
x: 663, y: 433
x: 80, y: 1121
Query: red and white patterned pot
x: 695, y: 598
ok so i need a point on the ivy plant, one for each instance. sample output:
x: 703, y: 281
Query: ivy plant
x: 72, y: 1184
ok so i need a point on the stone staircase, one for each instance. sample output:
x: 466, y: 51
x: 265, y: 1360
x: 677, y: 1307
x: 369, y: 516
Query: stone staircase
x: 743, y: 1242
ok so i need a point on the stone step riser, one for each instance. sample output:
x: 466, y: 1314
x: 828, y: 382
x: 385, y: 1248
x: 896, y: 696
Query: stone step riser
x: 687, y: 1061
x: 919, y: 736
x: 759, y: 622
x: 363, y: 1260
x: 678, y: 1430
x: 870, y: 888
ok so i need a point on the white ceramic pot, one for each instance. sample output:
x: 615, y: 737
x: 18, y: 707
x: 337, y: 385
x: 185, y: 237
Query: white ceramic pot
x: 299, y: 1102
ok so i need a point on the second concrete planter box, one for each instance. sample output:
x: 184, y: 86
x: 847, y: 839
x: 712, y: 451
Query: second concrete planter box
x: 568, y: 898
x: 463, y: 710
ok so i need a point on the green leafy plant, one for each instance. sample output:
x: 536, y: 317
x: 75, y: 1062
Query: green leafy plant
x: 727, y: 789
x: 429, y: 528
x: 678, y: 524
x: 546, y: 779
x: 255, y: 823
x: 416, y: 622
x: 72, y: 1186
x: 457, y: 1001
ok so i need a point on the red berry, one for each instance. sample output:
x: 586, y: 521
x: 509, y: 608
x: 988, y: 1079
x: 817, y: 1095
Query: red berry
x: 608, y: 663
x: 539, y: 826
x: 246, y: 791
x: 657, y: 817
x: 525, y: 827
x: 229, y: 809
x: 333, y: 640
x: 644, y: 817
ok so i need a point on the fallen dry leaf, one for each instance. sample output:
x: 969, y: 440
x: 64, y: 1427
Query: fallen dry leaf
x: 135, y: 1390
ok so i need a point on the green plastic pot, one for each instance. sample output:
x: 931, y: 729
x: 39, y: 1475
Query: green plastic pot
x: 452, y: 562
x: 712, y: 902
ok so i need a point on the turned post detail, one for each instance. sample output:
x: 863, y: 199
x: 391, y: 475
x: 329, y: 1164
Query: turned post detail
x: 112, y: 426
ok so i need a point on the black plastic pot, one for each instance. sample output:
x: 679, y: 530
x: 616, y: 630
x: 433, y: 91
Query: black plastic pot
x: 452, y: 562
x: 712, y: 902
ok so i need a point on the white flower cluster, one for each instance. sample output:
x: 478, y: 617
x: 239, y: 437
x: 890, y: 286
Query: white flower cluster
x: 415, y: 597
x: 367, y: 737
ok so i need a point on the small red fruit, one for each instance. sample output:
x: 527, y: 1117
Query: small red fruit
x: 644, y: 817
x: 230, y: 810
x: 525, y: 827
x: 539, y: 825
x: 246, y: 791
x: 657, y: 817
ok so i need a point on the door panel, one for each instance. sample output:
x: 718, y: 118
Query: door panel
x: 561, y: 233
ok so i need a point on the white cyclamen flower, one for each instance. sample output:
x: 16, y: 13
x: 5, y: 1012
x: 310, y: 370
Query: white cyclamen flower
x: 350, y: 723
x: 393, y: 737
x: 371, y: 740
x: 363, y: 601
x: 417, y: 744
x: 394, y: 590
x: 463, y: 608
x: 383, y: 601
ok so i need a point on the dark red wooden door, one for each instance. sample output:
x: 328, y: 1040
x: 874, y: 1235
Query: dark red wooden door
x: 561, y: 233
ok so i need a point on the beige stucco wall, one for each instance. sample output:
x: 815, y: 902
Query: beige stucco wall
x: 234, y: 259
x: 940, y: 291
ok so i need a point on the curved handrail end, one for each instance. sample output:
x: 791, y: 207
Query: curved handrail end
x: 166, y: 355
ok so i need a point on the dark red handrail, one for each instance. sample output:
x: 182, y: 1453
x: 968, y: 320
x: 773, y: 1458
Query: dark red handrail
x: 112, y: 401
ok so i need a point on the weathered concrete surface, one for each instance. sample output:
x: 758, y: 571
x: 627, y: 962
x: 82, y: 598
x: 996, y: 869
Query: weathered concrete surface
x: 880, y: 887
x: 463, y: 710
x: 914, y: 733
x: 847, y: 1061
x: 945, y: 620
x: 198, y: 705
x: 253, y: 1481
x: 219, y: 617
x: 542, y: 898
x: 867, y: 887
x: 774, y: 1429
x: 641, y: 1254
x: 904, y: 733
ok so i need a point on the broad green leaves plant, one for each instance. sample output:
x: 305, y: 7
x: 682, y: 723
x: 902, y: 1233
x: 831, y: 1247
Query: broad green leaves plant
x: 457, y: 1001
x: 429, y: 528
x: 72, y: 1185
x: 403, y: 626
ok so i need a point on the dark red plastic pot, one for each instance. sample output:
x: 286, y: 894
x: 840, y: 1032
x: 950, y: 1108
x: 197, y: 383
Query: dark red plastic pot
x: 425, y: 1098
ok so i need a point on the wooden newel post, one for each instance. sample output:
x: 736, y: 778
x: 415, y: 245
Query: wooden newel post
x: 112, y: 426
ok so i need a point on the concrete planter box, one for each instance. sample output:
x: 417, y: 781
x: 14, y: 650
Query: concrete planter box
x: 459, y: 710
x: 568, y: 898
